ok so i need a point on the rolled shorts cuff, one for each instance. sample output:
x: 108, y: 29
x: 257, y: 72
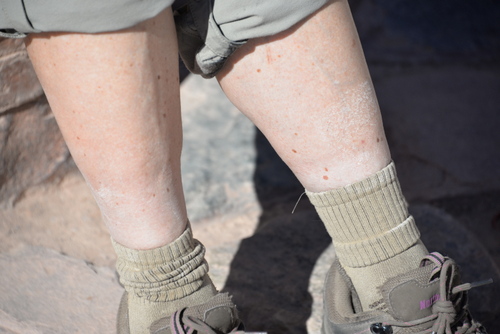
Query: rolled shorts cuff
x: 11, y: 33
x: 21, y: 17
x: 210, y: 31
x: 202, y: 45
x: 13, y: 20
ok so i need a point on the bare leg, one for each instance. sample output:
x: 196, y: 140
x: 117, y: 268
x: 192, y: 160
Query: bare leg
x: 116, y: 99
x: 313, y: 99
x: 309, y: 91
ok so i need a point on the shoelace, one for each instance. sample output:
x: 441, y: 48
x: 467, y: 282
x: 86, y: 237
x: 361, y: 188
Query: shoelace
x: 183, y: 324
x: 443, y: 311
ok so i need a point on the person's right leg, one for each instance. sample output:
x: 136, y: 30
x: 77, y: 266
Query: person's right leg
x: 123, y: 128
x: 116, y: 99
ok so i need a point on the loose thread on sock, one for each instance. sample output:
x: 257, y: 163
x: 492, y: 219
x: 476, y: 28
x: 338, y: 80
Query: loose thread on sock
x: 296, y: 204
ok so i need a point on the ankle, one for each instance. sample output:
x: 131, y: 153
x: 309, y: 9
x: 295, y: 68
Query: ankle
x: 368, y: 280
x: 162, y: 280
x: 368, y: 220
x: 143, y: 312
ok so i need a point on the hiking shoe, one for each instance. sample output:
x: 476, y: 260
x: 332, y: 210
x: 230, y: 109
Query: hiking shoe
x: 429, y: 299
x: 217, y: 316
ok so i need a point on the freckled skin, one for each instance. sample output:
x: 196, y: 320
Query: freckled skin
x: 321, y: 90
x: 311, y: 80
x: 128, y: 138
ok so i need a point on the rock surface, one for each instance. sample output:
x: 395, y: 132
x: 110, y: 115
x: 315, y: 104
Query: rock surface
x: 32, y: 149
x: 78, y: 297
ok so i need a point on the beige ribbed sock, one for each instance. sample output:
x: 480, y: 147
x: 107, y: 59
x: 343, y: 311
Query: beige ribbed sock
x: 163, y: 280
x: 374, y: 236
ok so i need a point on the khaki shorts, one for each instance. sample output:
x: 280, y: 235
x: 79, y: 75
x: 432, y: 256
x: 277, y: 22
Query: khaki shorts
x: 208, y: 31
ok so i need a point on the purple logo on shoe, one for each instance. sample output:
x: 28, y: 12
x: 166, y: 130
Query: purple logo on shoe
x: 429, y: 302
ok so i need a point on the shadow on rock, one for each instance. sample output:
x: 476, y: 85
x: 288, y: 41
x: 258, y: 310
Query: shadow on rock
x: 269, y: 275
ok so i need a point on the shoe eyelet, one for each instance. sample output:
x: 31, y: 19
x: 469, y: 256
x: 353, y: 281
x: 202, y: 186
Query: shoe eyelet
x: 379, y: 328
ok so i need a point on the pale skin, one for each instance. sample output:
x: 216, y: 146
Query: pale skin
x: 116, y: 99
x: 309, y: 91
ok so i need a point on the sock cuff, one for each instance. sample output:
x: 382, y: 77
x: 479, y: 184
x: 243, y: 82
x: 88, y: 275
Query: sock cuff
x: 181, y: 246
x: 379, y: 248
x: 165, y: 273
x: 368, y: 220
x: 385, y: 178
x: 364, y: 209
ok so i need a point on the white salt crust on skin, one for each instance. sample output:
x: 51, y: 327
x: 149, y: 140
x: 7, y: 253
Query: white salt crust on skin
x: 130, y: 212
x: 354, y: 113
x: 354, y: 117
x: 357, y: 119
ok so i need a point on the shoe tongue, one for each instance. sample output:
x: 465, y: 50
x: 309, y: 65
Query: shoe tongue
x: 219, y: 313
x: 411, y: 296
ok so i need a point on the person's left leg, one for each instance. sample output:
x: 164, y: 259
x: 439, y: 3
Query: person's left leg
x: 309, y: 91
